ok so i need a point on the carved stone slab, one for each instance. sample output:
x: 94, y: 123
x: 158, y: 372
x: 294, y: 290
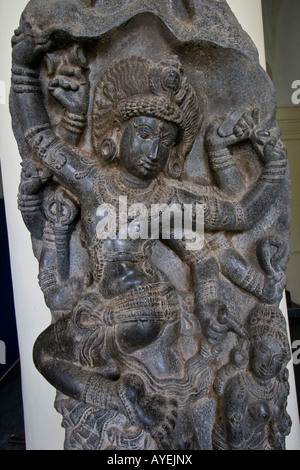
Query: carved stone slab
x: 156, y: 190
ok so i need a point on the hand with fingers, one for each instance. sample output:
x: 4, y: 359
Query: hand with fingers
x: 273, y: 287
x: 28, y: 48
x: 238, y: 127
x: 34, y: 176
x: 273, y: 150
x: 212, y: 316
x: 69, y: 85
x: 267, y: 143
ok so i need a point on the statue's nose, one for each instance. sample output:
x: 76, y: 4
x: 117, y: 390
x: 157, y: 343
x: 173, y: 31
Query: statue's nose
x: 154, y: 150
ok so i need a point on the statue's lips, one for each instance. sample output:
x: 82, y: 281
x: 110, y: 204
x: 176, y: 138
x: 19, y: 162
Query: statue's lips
x: 149, y: 164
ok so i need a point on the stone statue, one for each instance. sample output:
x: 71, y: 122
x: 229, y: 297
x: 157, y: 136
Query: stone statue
x: 254, y: 397
x: 158, y: 205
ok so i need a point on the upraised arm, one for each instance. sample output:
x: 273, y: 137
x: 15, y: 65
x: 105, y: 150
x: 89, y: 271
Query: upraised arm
x: 46, y: 146
x: 223, y: 135
x: 68, y: 84
x: 225, y: 214
x: 220, y: 136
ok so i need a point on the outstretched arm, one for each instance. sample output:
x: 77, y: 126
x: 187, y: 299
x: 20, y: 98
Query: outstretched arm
x: 250, y: 206
x: 265, y: 286
x: 222, y: 214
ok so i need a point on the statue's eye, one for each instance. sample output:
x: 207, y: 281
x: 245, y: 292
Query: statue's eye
x: 264, y: 351
x: 279, y: 358
x: 168, y: 140
x: 144, y: 132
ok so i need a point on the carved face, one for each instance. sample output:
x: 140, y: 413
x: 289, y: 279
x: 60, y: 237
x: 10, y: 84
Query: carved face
x: 145, y: 146
x: 266, y: 359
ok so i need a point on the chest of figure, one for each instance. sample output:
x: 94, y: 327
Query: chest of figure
x: 260, y: 411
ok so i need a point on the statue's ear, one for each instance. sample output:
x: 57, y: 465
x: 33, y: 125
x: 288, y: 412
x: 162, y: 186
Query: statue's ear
x: 175, y: 164
x: 109, y: 150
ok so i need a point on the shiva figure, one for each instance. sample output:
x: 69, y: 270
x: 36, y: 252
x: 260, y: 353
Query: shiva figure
x: 129, y: 345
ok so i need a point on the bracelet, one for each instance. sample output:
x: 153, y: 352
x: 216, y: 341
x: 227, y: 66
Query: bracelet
x: 219, y: 153
x: 73, y: 123
x: 21, y: 71
x: 221, y: 160
x: 211, y: 212
x: 209, y: 290
x: 253, y: 282
x: 274, y: 172
x: 47, y: 278
x: 95, y: 392
x: 25, y: 81
x: 29, y: 203
x: 239, y: 216
x: 217, y: 243
x: 33, y: 131
x: 196, y: 257
x: 26, y: 88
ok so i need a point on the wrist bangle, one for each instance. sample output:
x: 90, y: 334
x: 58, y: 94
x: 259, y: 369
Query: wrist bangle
x: 29, y: 203
x: 221, y: 160
x: 219, y: 153
x: 73, y: 123
x: 47, y: 278
x: 22, y: 71
x: 211, y: 212
x: 217, y: 243
x: 209, y: 290
x: 33, y: 131
x: 239, y: 214
x: 253, y: 282
x: 96, y: 393
x: 26, y: 88
x: 274, y: 172
x: 25, y: 81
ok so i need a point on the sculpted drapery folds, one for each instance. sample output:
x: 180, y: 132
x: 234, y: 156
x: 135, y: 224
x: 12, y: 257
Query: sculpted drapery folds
x: 162, y: 337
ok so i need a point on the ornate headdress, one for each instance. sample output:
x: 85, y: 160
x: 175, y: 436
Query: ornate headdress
x: 268, y: 322
x: 138, y: 87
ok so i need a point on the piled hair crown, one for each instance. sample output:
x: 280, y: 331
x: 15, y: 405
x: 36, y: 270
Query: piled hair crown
x: 268, y: 322
x: 138, y: 87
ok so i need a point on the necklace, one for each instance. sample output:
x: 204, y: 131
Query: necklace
x: 263, y: 392
x: 110, y: 187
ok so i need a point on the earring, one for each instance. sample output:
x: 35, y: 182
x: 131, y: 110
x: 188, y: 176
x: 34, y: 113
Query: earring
x: 108, y: 150
x: 175, y: 166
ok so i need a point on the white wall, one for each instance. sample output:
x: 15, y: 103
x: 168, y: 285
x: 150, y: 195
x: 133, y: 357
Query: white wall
x: 249, y: 15
x: 42, y: 423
